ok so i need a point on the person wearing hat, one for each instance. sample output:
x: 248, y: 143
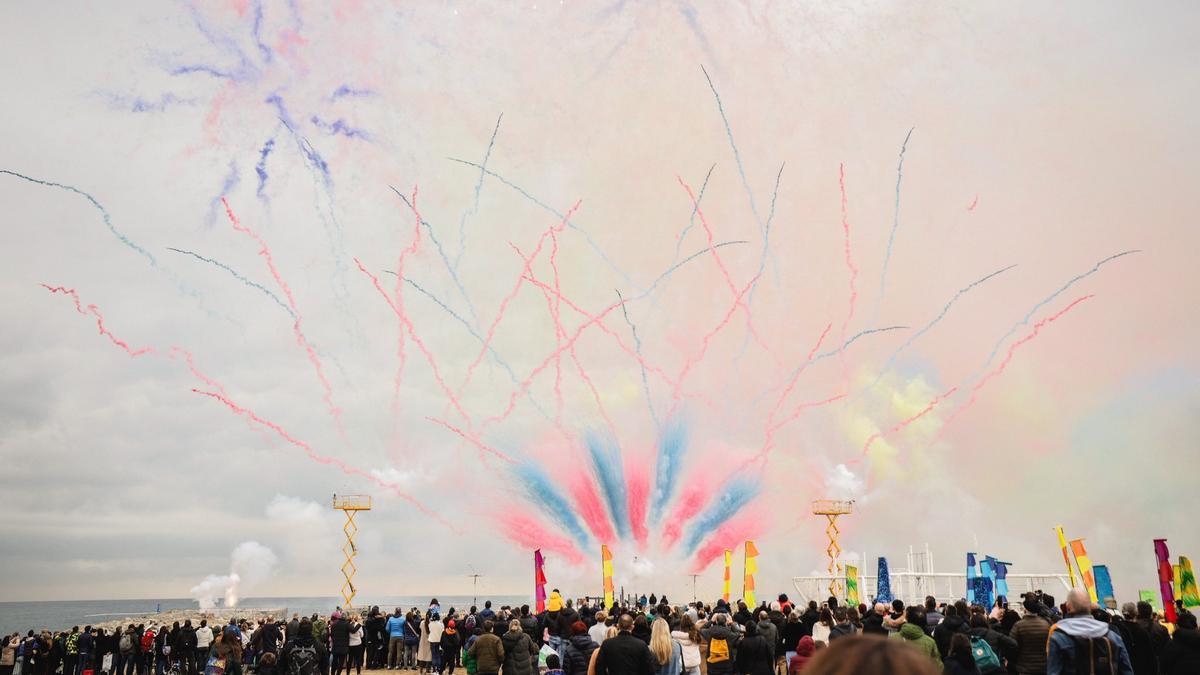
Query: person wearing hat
x: 1031, y: 634
x: 451, y: 647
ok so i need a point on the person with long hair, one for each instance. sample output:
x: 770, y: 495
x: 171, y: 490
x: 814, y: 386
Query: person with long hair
x: 609, y: 633
x: 823, y: 626
x: 668, y: 654
x: 688, y: 637
x: 857, y: 654
x: 357, y: 648
x: 959, y: 659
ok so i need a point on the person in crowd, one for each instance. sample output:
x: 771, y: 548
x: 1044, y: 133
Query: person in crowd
x: 424, y: 651
x: 912, y: 633
x: 1137, y: 641
x: 688, y: 637
x: 872, y: 623
x: 302, y: 654
x: 959, y: 657
x: 394, y: 628
x: 8, y: 654
x: 1004, y: 646
x: 434, y: 628
x: 412, y: 638
x: 625, y: 654
x: 578, y: 651
x: 598, y: 630
x: 1030, y: 635
x: 358, y: 647
x: 769, y: 632
x: 486, y: 650
x: 451, y: 644
x: 1079, y: 631
x: 932, y: 616
x: 339, y: 642
x: 668, y: 655
x: 824, y: 626
x: 870, y: 654
x: 793, y: 630
x: 553, y: 667
x: 520, y: 654
x: 1182, y: 654
x: 951, y: 624
x: 1159, y: 637
x: 754, y: 653
x: 842, y: 626
x: 227, y: 648
x: 641, y: 628
x: 805, y: 648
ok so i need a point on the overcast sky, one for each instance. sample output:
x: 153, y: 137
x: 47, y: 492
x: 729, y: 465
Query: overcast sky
x: 1049, y: 138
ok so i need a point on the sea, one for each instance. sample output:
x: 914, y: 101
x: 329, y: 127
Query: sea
x: 62, y: 614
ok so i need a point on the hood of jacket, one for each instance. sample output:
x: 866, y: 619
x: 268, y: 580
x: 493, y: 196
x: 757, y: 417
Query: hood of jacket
x: 954, y: 623
x: 911, y: 631
x: 806, y: 646
x: 581, y: 642
x: 1082, y: 626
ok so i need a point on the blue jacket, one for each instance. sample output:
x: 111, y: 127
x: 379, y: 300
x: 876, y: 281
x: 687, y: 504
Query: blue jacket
x: 395, y: 626
x: 1060, y: 655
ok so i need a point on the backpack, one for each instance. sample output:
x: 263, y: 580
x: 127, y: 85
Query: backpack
x: 126, y: 644
x: 303, y: 660
x: 985, y: 657
x: 148, y: 641
x: 1095, y: 656
x: 718, y: 650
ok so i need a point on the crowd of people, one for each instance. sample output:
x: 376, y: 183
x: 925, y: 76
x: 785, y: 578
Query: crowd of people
x: 646, y: 636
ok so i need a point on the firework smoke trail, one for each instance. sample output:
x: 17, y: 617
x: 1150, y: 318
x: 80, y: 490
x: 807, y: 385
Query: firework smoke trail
x: 239, y: 277
x: 907, y: 421
x: 462, y: 221
x: 99, y: 207
x: 301, y: 339
x: 564, y: 217
x: 853, y: 278
x: 437, y: 244
x: 606, y: 462
x: 730, y: 535
x: 770, y: 428
x: 999, y: 370
x: 261, y: 167
x: 398, y: 305
x: 529, y: 534
x: 1045, y: 301
x: 891, y: 360
x: 345, y: 468
x: 407, y: 325
x: 671, y: 270
x: 887, y: 256
x: 762, y: 261
x: 737, y: 491
x: 672, y: 445
x: 974, y: 203
x: 691, y: 501
x: 95, y: 311
x: 637, y: 346
x: 473, y: 440
x: 589, y: 506
x: 638, y: 483
x: 737, y: 156
x: 475, y: 334
x: 491, y: 332
x: 725, y: 271
x: 692, y: 218
x: 542, y: 493
x: 555, y: 306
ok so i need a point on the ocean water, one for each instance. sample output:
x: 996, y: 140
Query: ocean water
x: 62, y: 614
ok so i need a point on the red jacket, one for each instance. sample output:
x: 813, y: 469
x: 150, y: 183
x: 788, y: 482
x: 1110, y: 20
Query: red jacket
x: 804, y: 653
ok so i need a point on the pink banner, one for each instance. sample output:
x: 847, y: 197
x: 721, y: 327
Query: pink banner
x: 1166, y: 579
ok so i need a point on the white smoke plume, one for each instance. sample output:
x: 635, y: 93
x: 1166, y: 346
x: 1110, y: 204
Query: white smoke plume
x: 250, y: 564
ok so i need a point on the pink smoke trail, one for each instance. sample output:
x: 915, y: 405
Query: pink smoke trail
x: 724, y: 270
x: 301, y: 339
x: 587, y: 502
x: 528, y: 533
x: 398, y: 307
x: 559, y: 333
x: 407, y: 324
x: 905, y: 422
x: 807, y: 406
x: 345, y: 468
x: 491, y: 332
x: 637, y: 487
x: 473, y: 440
x: 95, y: 311
x: 1012, y: 349
x: 853, y: 277
x: 691, y: 501
x: 974, y: 203
x: 730, y: 535
x: 769, y: 427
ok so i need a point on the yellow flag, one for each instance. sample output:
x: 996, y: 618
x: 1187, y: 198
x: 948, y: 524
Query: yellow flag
x: 1085, y: 568
x: 1062, y: 541
x: 751, y: 569
x: 728, y: 566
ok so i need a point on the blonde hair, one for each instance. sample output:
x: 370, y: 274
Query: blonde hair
x: 612, y: 632
x: 660, y: 641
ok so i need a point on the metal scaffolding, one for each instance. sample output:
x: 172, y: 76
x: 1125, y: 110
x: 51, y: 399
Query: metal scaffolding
x: 831, y: 509
x: 350, y: 505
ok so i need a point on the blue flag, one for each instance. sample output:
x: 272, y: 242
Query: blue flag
x: 971, y: 574
x: 1104, y: 586
x: 1001, y: 569
x: 883, y: 584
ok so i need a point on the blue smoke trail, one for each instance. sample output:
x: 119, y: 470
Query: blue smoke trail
x: 587, y: 237
x: 239, y: 277
x: 462, y: 221
x: 672, y: 444
x: 637, y: 347
x: 695, y: 207
x: 339, y: 127
x: 542, y: 492
x: 738, y: 491
x: 475, y: 334
x: 261, y: 167
x: 762, y: 265
x: 99, y: 207
x: 347, y: 90
x: 1045, y: 301
x: 606, y: 461
x: 887, y: 257
x: 231, y: 180
x: 913, y: 338
x: 442, y: 254
x: 281, y: 110
x: 737, y: 155
x: 257, y: 32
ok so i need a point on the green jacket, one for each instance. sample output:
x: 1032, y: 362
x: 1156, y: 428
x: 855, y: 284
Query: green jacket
x: 913, y: 636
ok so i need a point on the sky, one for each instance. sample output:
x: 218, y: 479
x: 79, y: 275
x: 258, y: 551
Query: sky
x: 643, y: 251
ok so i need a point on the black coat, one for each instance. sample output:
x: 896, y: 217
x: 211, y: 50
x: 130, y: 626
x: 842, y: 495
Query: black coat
x: 946, y: 630
x: 533, y: 628
x: 339, y: 636
x: 518, y: 654
x: 625, y: 655
x: 754, y: 656
x: 578, y: 654
x: 1182, y: 654
x: 872, y: 623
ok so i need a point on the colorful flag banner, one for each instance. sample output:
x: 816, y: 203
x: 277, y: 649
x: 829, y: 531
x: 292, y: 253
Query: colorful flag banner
x: 883, y: 585
x: 852, y: 585
x: 1165, y: 579
x: 1150, y: 597
x: 1188, y: 592
x: 1085, y: 568
x: 539, y: 581
x: 982, y: 591
x: 987, y: 568
x: 728, y: 569
x: 1062, y: 541
x: 1104, y: 586
x: 607, y: 567
x: 972, y: 573
x: 751, y: 569
x: 1178, y: 580
x: 1000, y: 569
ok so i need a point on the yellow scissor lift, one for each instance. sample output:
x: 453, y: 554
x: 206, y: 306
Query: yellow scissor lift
x: 350, y: 505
